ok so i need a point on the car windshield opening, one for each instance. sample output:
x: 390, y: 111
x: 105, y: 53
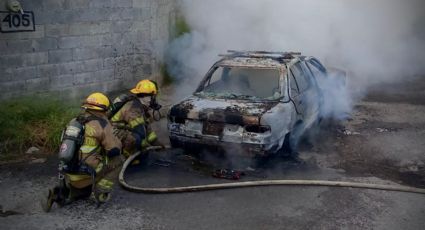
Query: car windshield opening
x: 243, y: 83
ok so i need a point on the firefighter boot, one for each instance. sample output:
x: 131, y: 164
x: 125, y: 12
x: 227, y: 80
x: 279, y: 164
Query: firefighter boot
x: 48, y: 199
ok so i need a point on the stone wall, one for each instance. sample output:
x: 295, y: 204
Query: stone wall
x: 85, y: 45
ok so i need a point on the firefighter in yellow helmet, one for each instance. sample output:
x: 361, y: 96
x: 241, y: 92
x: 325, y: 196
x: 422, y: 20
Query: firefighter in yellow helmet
x: 131, y: 118
x: 90, y: 155
x: 101, y: 149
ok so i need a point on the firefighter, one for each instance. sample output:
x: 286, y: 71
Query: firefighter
x: 100, y: 144
x: 131, y: 118
x: 90, y: 155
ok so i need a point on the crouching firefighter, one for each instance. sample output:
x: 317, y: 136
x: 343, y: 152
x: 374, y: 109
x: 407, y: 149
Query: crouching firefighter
x: 131, y: 118
x: 90, y: 156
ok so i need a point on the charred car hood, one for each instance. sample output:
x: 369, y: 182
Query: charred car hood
x: 220, y: 110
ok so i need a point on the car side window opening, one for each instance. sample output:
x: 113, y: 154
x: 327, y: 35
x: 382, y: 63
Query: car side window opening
x: 318, y: 73
x: 301, y: 77
x: 215, y: 77
x: 317, y: 65
x: 294, y: 85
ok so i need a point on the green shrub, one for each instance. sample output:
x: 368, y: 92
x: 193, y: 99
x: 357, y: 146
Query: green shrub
x: 167, y: 79
x: 34, y: 121
x: 181, y: 26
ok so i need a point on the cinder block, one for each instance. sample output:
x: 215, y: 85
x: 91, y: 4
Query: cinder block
x: 56, y: 16
x: 69, y: 42
x: 100, y: 3
x: 104, y: 75
x: 138, y: 14
x: 56, y: 30
x: 110, y: 62
x: 123, y: 72
x: 19, y: 73
x: 83, y: 78
x: 12, y: 86
x: 27, y: 59
x: 75, y: 67
x: 125, y: 50
x: 89, y: 65
x: 142, y: 26
x: 122, y: 3
x: 142, y: 4
x: 62, y: 81
x: 92, y: 52
x: 83, y: 90
x: 110, y: 3
x: 120, y: 61
x: 60, y: 55
x: 147, y: 69
x: 121, y: 26
x: 78, y: 28
x: 66, y: 68
x: 94, y: 77
x: 139, y: 73
x: 69, y: 67
x: 76, y: 4
x: 85, y: 41
x: 31, y: 5
x: 15, y: 46
x: 140, y: 59
x: 48, y: 70
x: 38, y: 33
x: 53, y: 4
x: 44, y: 44
x: 37, y: 84
x: 98, y: 14
x: 137, y: 39
x: 113, y: 85
x: 88, y: 28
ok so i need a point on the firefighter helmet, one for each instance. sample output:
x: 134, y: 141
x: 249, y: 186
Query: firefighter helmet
x: 96, y: 101
x: 145, y: 87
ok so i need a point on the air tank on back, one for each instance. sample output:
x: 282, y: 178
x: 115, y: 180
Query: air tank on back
x: 71, y: 140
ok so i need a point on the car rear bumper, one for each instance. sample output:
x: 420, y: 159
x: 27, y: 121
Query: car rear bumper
x: 205, y: 143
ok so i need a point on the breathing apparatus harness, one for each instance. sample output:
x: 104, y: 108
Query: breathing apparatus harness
x: 72, y: 139
x: 155, y: 106
x: 122, y: 100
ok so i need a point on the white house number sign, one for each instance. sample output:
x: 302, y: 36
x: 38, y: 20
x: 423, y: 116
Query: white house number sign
x: 16, y: 22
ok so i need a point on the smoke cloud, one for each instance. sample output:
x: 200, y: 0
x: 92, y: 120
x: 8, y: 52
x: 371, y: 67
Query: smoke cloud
x: 373, y: 41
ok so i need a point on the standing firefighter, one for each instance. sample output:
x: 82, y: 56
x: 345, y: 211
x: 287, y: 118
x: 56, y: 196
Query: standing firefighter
x: 131, y: 119
x: 90, y: 156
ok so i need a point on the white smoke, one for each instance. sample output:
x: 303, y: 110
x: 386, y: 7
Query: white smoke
x: 373, y: 41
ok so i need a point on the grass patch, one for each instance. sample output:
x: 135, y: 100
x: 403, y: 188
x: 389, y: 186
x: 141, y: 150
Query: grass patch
x: 34, y: 121
x: 179, y: 29
x: 167, y: 79
x: 181, y: 26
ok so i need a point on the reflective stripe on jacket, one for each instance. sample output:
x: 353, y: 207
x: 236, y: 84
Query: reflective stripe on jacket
x: 98, y: 136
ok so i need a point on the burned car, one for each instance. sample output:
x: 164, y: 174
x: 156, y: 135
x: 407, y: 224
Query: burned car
x: 254, y: 103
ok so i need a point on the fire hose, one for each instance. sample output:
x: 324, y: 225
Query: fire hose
x: 198, y: 188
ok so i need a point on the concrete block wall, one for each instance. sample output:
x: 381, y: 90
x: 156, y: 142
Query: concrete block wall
x: 85, y: 45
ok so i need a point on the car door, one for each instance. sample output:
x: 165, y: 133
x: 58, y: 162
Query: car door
x: 295, y: 93
x: 308, y: 98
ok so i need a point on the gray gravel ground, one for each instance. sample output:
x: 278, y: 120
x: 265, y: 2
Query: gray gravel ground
x: 384, y: 143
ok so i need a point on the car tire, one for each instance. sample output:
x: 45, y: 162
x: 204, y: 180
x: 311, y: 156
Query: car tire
x: 286, y: 149
x: 289, y: 146
x: 296, y: 136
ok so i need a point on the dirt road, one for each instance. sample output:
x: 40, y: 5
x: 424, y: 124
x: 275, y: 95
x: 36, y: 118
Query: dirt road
x: 384, y: 142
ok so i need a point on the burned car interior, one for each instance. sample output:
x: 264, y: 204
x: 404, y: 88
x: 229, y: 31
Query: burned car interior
x: 243, y: 82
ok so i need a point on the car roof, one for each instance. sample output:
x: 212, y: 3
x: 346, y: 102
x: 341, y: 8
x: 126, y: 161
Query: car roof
x: 260, y: 59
